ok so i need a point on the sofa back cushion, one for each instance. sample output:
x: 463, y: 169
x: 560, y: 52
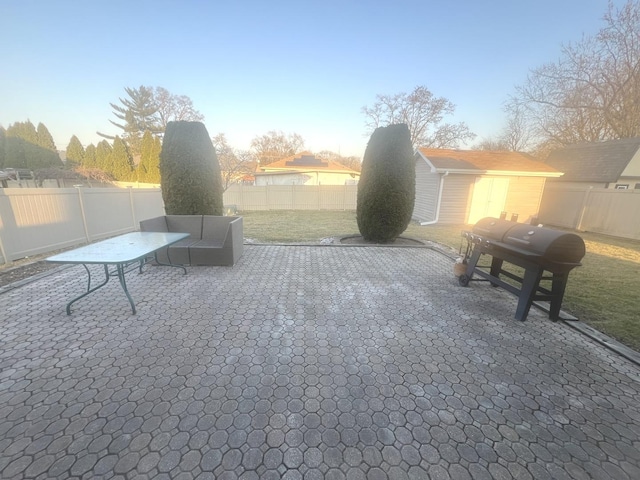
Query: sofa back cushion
x: 191, y: 224
x: 157, y: 224
x: 215, y: 228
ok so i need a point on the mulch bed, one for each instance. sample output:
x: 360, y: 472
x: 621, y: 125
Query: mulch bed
x: 22, y: 272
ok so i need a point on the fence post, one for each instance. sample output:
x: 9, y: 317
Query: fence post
x: 133, y: 210
x: 583, y: 210
x: 83, y: 214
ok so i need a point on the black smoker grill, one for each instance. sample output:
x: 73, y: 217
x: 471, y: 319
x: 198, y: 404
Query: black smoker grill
x: 535, y: 249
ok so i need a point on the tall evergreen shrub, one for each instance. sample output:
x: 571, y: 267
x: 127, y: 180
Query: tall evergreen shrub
x: 386, y: 190
x: 189, y: 171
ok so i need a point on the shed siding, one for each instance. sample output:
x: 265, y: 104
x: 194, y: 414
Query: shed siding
x: 427, y: 184
x: 456, y: 198
x: 524, y: 197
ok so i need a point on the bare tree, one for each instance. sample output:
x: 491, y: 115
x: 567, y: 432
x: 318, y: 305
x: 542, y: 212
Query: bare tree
x: 592, y: 92
x: 234, y: 164
x: 274, y: 146
x: 516, y: 135
x: 174, y: 107
x: 423, y: 113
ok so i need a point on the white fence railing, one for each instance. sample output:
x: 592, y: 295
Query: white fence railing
x: 41, y: 220
x: 600, y: 210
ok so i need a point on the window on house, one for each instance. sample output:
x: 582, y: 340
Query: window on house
x: 622, y: 186
x: 637, y: 187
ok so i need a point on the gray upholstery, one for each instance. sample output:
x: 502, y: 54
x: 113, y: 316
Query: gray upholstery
x: 222, y: 241
x: 213, y: 240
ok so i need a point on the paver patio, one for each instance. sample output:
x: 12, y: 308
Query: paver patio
x: 306, y: 362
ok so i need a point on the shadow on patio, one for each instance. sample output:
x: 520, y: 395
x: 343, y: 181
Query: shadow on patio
x: 305, y: 362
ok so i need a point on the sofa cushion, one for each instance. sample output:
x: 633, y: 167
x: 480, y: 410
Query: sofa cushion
x: 191, y: 224
x: 157, y: 224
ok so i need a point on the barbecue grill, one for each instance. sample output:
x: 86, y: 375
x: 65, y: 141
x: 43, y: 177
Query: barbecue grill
x: 535, y: 249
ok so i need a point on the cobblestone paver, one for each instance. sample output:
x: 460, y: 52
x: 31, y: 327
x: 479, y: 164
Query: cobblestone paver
x: 306, y: 363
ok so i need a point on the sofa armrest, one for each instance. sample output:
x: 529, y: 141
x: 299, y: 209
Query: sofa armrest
x: 235, y: 238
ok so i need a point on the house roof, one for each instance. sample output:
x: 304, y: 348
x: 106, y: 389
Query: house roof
x: 487, y: 162
x: 594, y: 162
x: 303, y: 162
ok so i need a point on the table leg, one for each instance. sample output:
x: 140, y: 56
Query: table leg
x: 155, y: 254
x: 89, y: 289
x: 120, y: 271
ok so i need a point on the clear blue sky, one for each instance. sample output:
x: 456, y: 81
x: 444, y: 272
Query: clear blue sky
x: 303, y: 66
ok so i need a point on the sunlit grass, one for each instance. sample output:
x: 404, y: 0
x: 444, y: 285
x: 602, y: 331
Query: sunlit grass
x: 604, y: 292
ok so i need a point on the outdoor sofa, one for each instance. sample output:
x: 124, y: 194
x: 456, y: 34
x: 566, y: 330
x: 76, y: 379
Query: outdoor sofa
x: 213, y: 240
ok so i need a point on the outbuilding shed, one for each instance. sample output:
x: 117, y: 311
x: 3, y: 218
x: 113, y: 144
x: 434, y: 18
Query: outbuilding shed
x: 463, y: 186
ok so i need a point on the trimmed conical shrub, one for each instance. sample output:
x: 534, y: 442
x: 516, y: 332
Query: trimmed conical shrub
x: 387, y: 186
x: 189, y: 171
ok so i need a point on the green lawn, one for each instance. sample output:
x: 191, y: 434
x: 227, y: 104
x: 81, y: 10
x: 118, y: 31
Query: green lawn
x: 604, y: 292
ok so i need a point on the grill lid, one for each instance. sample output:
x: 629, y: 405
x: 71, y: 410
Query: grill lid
x: 551, y: 245
x: 492, y: 228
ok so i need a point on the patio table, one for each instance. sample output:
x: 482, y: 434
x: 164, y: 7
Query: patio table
x: 121, y: 252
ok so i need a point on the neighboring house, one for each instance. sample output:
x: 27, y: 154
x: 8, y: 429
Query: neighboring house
x: 463, y: 186
x: 610, y: 164
x: 305, y: 169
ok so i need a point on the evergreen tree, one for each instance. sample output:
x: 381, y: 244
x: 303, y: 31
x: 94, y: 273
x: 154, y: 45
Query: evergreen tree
x: 45, y: 140
x: 89, y: 160
x: 21, y: 143
x: 103, y: 156
x: 3, y: 143
x: 75, y: 153
x: 136, y: 114
x: 153, y: 168
x: 146, y: 150
x: 189, y: 171
x: 386, y: 190
x: 121, y: 161
x: 29, y: 148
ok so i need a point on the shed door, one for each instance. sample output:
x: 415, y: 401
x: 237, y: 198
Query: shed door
x: 489, y: 197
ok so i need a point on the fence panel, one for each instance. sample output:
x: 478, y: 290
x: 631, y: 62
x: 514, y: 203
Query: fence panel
x: 41, y: 220
x: 562, y: 206
x: 600, y: 210
x: 613, y: 212
x: 38, y: 220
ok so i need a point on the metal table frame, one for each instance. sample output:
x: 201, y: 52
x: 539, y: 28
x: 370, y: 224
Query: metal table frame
x: 126, y: 252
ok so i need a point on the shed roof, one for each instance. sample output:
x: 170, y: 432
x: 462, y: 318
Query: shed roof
x: 594, y: 162
x: 486, y: 161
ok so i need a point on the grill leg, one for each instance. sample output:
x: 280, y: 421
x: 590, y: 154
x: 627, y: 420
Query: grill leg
x: 558, y: 285
x: 496, y: 268
x: 473, y: 262
x: 530, y: 284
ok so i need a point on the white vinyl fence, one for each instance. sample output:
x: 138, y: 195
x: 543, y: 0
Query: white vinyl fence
x: 600, y: 210
x: 41, y: 220
x: 292, y: 197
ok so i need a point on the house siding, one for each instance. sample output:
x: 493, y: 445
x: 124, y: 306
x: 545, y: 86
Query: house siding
x: 427, y: 185
x: 524, y: 197
x: 456, y: 198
